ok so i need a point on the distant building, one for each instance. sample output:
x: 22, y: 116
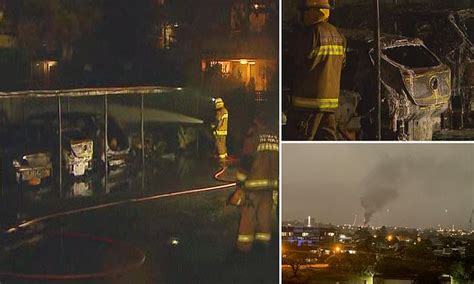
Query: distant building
x: 358, y: 2
x: 167, y: 35
x: 308, y: 235
x: 164, y: 35
x: 247, y: 55
x: 251, y: 16
x: 7, y: 40
x: 393, y: 280
x: 449, y: 252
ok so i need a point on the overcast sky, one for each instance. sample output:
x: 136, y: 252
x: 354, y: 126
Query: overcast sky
x: 415, y: 185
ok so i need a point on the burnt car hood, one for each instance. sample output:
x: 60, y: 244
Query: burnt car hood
x: 425, y: 86
x: 386, y: 40
x: 429, y: 86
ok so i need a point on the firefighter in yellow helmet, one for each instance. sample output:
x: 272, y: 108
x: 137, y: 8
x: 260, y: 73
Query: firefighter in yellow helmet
x: 257, y: 181
x: 317, y: 57
x: 220, y: 128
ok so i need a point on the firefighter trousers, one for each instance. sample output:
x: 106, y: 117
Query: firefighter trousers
x: 324, y: 126
x: 255, y: 219
x: 312, y: 126
x: 221, y: 146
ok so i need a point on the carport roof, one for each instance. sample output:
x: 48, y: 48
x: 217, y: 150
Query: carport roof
x: 87, y: 92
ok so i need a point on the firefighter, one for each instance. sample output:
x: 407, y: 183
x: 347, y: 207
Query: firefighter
x: 317, y: 57
x: 257, y: 181
x: 220, y: 128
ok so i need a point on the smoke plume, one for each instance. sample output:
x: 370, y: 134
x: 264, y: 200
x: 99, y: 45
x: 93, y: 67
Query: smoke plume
x: 376, y: 199
x: 382, y: 186
x: 394, y: 176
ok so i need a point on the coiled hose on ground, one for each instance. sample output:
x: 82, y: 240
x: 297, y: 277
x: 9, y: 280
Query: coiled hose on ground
x: 140, y: 255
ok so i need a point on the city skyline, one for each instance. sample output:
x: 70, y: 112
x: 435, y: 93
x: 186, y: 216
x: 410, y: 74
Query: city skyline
x: 392, y: 182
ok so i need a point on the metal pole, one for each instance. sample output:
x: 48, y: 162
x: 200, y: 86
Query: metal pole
x: 459, y: 91
x: 106, y: 135
x: 142, y: 134
x: 1, y: 153
x: 23, y: 109
x: 60, y: 146
x: 197, y: 136
x: 378, y: 69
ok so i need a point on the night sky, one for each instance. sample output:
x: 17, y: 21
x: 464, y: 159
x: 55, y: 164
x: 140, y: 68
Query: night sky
x: 413, y: 185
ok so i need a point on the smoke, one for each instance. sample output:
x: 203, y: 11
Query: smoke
x: 382, y: 186
x: 376, y: 199
x: 394, y: 176
x: 150, y: 114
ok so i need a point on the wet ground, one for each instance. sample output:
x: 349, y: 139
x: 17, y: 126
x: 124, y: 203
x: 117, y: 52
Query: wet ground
x: 186, y: 239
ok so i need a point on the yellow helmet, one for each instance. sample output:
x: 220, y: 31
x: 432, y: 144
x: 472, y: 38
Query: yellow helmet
x: 322, y: 4
x: 219, y: 103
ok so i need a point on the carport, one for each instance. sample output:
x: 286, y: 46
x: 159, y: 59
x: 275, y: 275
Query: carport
x: 63, y: 97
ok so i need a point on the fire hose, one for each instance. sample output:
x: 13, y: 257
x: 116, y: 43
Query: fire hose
x: 139, y: 253
x: 140, y: 259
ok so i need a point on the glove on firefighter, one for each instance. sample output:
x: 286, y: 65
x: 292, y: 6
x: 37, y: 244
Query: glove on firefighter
x: 237, y: 198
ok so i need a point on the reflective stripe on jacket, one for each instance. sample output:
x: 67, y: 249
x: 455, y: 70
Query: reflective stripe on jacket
x: 319, y: 53
x: 263, y: 172
x: 222, y: 119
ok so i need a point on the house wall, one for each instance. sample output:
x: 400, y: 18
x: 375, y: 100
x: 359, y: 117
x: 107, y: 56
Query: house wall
x: 392, y: 281
x: 352, y: 2
x: 243, y: 70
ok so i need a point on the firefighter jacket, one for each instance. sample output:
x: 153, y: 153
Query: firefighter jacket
x: 222, y: 119
x: 318, y: 57
x: 259, y: 169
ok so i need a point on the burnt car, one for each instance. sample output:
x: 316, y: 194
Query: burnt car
x: 450, y: 34
x: 83, y: 140
x: 118, y: 145
x: 26, y: 159
x: 118, y: 153
x: 23, y: 161
x: 165, y: 141
x: 77, y: 141
x: 416, y: 86
x: 153, y: 145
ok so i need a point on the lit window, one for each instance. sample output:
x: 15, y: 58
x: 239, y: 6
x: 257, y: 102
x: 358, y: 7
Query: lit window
x: 167, y: 35
x: 224, y: 66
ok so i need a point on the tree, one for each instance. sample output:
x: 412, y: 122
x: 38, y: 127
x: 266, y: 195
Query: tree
x: 421, y: 250
x: 360, y: 264
x: 294, y: 260
x: 363, y: 233
x: 459, y: 273
x: 382, y: 232
x: 52, y: 24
